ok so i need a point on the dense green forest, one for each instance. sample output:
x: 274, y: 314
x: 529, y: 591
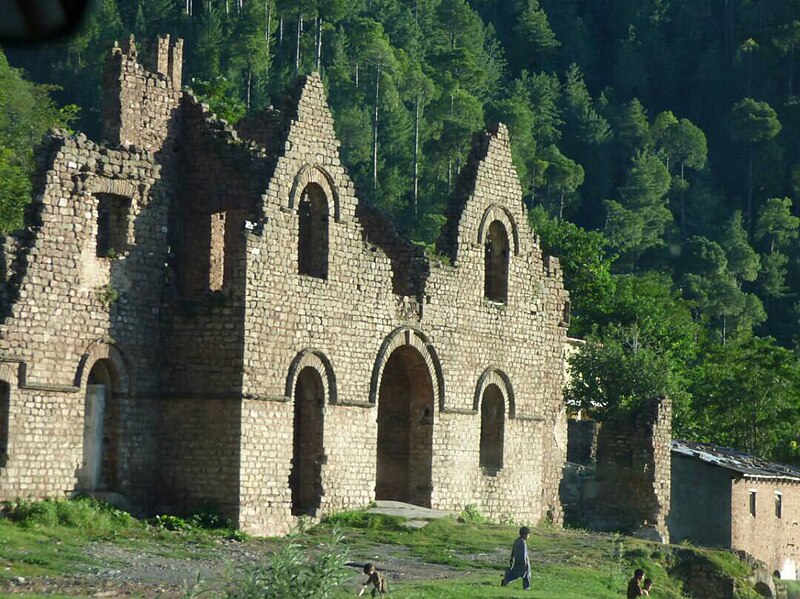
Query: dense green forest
x: 657, y: 141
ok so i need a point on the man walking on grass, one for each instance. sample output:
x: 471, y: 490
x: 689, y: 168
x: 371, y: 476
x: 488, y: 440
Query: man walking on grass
x: 519, y: 564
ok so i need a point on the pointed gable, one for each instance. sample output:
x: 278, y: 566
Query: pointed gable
x: 488, y: 189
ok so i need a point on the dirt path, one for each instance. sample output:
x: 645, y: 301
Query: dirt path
x: 116, y: 571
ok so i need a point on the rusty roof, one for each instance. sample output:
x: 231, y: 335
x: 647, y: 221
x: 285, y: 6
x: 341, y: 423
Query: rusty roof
x: 737, y: 461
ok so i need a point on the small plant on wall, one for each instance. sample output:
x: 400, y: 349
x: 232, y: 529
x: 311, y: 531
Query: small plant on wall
x: 106, y: 294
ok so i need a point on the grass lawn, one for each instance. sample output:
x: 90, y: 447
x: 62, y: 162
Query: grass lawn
x: 448, y: 558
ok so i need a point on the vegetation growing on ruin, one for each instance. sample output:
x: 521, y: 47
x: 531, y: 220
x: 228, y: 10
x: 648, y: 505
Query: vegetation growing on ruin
x: 656, y: 142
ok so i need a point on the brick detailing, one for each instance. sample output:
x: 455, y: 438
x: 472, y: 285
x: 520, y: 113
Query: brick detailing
x: 260, y: 339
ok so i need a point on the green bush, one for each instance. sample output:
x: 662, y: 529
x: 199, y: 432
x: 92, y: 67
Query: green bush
x: 293, y: 571
x: 171, y: 523
x: 471, y: 515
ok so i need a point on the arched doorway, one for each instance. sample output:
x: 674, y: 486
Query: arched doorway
x: 492, y: 429
x: 101, y: 429
x: 305, y: 480
x: 405, y: 429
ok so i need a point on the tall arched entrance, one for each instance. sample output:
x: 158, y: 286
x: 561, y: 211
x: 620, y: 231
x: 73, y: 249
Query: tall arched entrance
x: 305, y: 480
x: 101, y: 429
x: 405, y: 429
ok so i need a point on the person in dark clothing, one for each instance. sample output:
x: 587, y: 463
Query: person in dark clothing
x: 519, y: 564
x: 635, y: 584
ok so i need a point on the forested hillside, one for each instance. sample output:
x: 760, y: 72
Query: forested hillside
x: 658, y: 143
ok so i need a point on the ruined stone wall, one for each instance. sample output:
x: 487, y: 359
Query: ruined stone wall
x: 69, y: 303
x: 473, y: 337
x: 199, y: 455
x: 582, y: 441
x: 203, y: 327
x: 211, y: 327
x: 769, y: 538
x: 634, y: 472
x: 140, y: 106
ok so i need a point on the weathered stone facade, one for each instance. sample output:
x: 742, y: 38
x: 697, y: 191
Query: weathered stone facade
x: 191, y: 318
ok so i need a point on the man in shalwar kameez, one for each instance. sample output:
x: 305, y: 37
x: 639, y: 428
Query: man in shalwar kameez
x: 519, y: 564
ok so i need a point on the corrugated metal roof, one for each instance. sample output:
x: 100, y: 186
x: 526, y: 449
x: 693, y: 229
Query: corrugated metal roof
x: 748, y: 465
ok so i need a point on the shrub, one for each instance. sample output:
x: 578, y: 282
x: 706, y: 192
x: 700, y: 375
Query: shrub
x: 83, y: 513
x: 471, y: 515
x: 293, y: 571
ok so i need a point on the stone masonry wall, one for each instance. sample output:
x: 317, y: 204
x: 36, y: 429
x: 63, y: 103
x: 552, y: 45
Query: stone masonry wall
x: 140, y: 106
x: 69, y: 304
x: 204, y: 363
x: 634, y: 472
x: 348, y: 317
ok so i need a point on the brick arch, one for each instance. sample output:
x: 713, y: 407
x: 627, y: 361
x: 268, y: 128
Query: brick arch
x: 495, y: 376
x: 311, y: 173
x: 497, y: 212
x: 118, y: 187
x: 416, y: 339
x: 311, y: 358
x: 100, y: 350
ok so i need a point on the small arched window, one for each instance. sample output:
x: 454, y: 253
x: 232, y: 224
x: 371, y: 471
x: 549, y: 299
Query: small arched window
x: 495, y: 282
x: 492, y: 429
x: 312, y: 243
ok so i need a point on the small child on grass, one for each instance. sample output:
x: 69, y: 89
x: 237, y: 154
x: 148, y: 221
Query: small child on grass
x: 376, y: 579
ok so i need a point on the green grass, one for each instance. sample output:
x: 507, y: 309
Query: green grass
x: 51, y: 538
x: 564, y: 562
x: 17, y: 596
x: 792, y: 588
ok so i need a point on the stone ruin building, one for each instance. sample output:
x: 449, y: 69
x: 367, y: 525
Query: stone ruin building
x: 201, y: 316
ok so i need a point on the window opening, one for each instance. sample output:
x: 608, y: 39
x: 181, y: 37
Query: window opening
x: 112, y: 225
x: 495, y: 283
x: 753, y: 503
x: 312, y: 243
x: 778, y: 505
x: 216, y: 258
x: 492, y: 429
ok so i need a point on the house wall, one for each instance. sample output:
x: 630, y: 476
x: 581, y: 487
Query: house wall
x: 773, y: 540
x: 701, y: 503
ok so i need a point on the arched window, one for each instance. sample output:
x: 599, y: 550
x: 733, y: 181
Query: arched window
x: 5, y: 417
x: 312, y: 243
x: 492, y: 429
x: 495, y: 282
